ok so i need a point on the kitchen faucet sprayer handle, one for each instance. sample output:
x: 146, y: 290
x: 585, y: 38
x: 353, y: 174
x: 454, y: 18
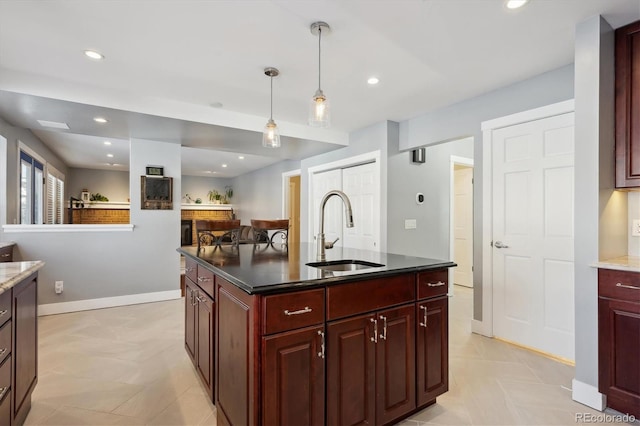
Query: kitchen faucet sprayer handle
x: 330, y: 245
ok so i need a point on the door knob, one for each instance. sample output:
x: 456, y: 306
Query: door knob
x: 500, y: 244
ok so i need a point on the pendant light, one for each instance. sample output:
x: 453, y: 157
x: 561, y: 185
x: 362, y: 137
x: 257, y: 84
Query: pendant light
x: 271, y: 135
x: 319, y: 110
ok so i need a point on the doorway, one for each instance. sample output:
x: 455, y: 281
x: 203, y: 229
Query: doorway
x: 461, y: 220
x: 291, y: 204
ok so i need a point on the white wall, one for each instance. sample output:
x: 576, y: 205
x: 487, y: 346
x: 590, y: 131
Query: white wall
x: 199, y: 187
x: 431, y: 237
x: 258, y: 195
x: 113, y: 184
x: 634, y: 214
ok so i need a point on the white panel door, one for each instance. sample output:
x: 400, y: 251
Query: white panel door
x: 334, y: 211
x: 362, y: 186
x: 533, y: 212
x: 463, y: 225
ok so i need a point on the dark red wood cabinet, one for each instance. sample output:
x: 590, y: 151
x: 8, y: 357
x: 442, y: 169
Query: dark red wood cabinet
x: 627, y: 105
x: 619, y: 339
x: 199, y: 330
x: 345, y: 354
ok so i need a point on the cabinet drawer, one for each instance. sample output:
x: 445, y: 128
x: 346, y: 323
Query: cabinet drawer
x: 6, y: 254
x: 5, y: 408
x: 623, y: 285
x: 5, y: 306
x: 292, y: 310
x: 365, y: 296
x: 5, y: 341
x: 432, y: 283
x: 205, y: 280
x: 191, y: 269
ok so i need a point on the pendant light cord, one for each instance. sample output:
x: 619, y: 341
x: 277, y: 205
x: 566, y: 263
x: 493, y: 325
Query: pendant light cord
x: 319, y: 57
x: 271, y: 113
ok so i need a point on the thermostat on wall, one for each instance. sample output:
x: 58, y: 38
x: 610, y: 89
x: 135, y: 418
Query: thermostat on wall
x: 419, y: 198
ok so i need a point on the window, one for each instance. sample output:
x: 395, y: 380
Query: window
x: 31, y: 189
x: 55, y: 196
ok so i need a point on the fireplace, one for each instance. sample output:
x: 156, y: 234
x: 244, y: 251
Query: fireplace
x: 186, y: 238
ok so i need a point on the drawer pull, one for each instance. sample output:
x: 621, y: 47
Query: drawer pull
x: 200, y: 300
x: 384, y: 327
x: 3, y: 312
x: 321, y: 353
x: 5, y: 255
x: 424, y: 317
x: 190, y: 269
x: 3, y: 351
x: 438, y: 284
x: 204, y: 279
x: 3, y: 392
x: 632, y: 287
x: 374, y: 339
x: 306, y: 310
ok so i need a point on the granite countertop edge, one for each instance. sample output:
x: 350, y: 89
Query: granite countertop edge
x: 622, y: 263
x: 9, y: 278
x: 304, y: 284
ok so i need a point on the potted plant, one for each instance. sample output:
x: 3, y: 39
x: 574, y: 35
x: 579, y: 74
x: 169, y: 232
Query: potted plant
x: 214, y: 196
x: 228, y: 194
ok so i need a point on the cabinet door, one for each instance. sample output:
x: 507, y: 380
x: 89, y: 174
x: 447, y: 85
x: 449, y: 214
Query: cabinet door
x: 25, y: 349
x: 432, y: 349
x: 628, y: 106
x: 351, y: 371
x: 395, y: 364
x: 190, y: 319
x: 293, y: 378
x: 619, y: 352
x: 205, y: 339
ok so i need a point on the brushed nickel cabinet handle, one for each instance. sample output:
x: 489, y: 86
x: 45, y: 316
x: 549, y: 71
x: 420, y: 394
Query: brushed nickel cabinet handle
x: 3, y: 392
x: 321, y: 334
x: 190, y: 269
x: 5, y: 255
x: 424, y: 316
x: 438, y: 284
x: 3, y: 312
x: 3, y: 351
x: 632, y: 287
x: 384, y: 327
x: 374, y: 339
x: 306, y: 310
x: 204, y: 279
x: 200, y: 300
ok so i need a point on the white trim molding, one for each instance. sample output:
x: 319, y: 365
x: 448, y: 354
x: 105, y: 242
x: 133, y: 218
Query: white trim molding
x: 453, y: 160
x: 9, y: 229
x: 285, y: 189
x: 485, y: 326
x: 106, y: 302
x: 588, y: 395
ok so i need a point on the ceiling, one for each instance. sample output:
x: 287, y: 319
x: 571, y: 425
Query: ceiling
x: 168, y: 61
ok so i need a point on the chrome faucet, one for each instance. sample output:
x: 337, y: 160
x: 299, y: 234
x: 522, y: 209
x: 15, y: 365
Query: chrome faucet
x: 347, y: 211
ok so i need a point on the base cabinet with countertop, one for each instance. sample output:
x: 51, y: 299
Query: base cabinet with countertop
x: 619, y: 339
x: 326, y: 353
x: 18, y: 340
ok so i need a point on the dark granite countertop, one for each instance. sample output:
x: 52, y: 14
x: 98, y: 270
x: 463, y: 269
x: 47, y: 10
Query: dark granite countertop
x: 260, y: 268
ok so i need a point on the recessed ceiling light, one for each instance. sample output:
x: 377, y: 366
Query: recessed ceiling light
x: 107, y: 143
x: 110, y: 155
x: 94, y: 55
x: 373, y: 80
x: 240, y: 157
x: 514, y: 4
x: 224, y: 165
x: 53, y: 124
x: 100, y: 120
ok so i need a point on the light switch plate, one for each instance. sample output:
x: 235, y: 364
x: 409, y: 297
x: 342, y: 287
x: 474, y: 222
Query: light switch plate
x: 635, y: 228
x: 410, y: 224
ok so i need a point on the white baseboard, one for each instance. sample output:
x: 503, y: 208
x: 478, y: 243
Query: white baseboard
x: 106, y: 302
x: 480, y: 327
x: 588, y: 395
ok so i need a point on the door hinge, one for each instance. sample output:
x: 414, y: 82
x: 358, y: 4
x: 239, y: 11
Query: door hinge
x: 491, y: 243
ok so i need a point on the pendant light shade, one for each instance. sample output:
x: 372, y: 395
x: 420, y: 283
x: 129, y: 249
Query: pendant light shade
x: 271, y: 135
x: 319, y: 112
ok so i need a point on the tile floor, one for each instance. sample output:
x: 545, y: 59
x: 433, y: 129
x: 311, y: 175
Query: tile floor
x: 128, y: 366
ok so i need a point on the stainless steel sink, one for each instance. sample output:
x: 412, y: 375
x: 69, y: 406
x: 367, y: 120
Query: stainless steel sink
x: 344, y: 265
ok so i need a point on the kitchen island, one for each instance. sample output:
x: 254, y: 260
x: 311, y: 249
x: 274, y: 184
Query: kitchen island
x: 276, y: 341
x: 18, y: 339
